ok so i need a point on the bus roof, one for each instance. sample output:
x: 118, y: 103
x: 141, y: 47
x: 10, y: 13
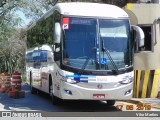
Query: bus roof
x: 86, y: 10
x: 42, y: 47
x: 90, y: 10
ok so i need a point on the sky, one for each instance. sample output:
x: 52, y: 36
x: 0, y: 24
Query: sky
x: 25, y: 21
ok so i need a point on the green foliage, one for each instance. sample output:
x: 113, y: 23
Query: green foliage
x: 12, y: 53
x: 41, y: 33
x: 12, y: 39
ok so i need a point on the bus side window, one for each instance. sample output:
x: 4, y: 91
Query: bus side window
x: 29, y: 57
x: 43, y: 56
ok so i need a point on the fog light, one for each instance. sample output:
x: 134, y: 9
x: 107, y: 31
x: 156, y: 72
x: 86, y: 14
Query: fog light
x: 68, y: 92
x: 128, y: 92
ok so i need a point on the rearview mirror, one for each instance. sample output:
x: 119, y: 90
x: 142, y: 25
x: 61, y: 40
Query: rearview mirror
x: 57, y: 33
x: 139, y: 36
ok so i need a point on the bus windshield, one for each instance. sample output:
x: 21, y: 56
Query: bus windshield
x: 85, y: 39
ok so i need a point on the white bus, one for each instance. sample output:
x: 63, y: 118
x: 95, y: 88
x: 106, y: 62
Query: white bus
x: 89, y: 55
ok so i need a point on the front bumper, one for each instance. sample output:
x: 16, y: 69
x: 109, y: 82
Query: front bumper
x: 75, y: 92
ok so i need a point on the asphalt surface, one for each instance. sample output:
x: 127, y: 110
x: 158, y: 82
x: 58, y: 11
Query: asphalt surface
x: 42, y: 102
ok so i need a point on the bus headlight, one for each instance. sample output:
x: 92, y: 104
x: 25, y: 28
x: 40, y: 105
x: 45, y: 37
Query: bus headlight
x: 71, y: 81
x: 126, y: 80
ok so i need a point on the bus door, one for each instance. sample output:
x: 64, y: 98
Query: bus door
x: 36, y: 69
x: 44, y: 71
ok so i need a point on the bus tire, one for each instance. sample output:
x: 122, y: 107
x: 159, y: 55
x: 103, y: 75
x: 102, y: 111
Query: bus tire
x: 55, y: 100
x: 50, y: 86
x: 110, y: 102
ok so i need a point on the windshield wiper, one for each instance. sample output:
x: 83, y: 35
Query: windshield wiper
x: 109, y: 56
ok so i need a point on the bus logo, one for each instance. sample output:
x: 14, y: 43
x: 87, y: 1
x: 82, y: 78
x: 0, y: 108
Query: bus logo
x: 99, y: 86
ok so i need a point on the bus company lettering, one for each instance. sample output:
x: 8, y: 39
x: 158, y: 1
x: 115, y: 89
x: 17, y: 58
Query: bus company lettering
x: 101, y: 79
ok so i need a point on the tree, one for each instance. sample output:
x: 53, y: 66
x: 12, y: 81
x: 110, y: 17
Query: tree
x: 12, y: 39
x: 12, y: 52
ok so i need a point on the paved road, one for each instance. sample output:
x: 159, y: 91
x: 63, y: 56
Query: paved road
x: 42, y: 102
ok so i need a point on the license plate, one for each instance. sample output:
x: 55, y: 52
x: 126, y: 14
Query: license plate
x: 98, y: 96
